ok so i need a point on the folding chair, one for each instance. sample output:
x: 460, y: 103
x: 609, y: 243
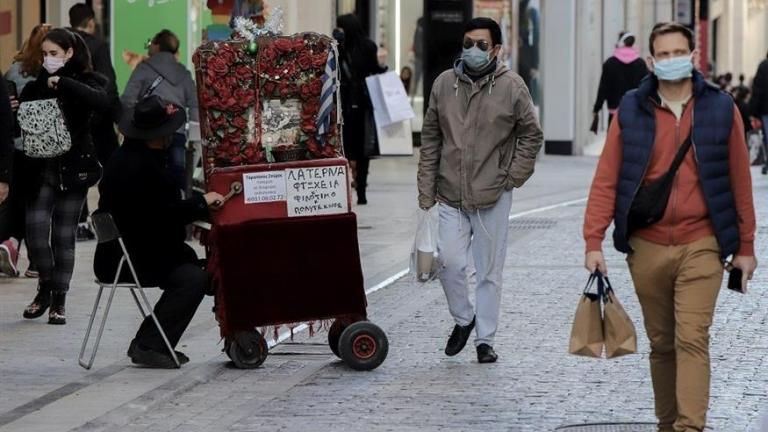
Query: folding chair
x: 107, y: 231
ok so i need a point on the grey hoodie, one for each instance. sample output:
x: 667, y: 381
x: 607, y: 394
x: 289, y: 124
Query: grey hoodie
x: 478, y: 140
x: 177, y: 86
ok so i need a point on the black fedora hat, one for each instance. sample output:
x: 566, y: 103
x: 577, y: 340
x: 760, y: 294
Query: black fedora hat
x: 151, y: 118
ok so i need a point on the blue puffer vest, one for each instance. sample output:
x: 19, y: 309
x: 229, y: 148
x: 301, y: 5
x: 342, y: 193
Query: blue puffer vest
x: 712, y: 122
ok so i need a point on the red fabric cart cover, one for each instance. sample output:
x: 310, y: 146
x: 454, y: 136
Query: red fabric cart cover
x: 236, y: 210
x: 283, y: 271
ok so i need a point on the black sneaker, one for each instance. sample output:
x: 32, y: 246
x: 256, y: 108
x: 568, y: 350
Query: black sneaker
x: 459, y: 338
x: 154, y: 359
x: 486, y: 354
x: 84, y: 233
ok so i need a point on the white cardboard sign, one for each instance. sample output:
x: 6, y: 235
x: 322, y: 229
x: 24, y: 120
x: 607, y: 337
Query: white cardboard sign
x: 317, y: 191
x: 265, y: 186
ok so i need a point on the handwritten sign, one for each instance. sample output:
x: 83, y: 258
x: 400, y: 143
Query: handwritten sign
x: 317, y: 191
x: 261, y: 187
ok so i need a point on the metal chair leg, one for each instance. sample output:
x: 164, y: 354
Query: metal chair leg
x: 103, y: 324
x: 159, y: 327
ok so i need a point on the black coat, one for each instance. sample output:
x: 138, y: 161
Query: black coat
x: 6, y: 133
x: 758, y: 103
x: 79, y: 95
x: 103, y: 129
x: 356, y: 65
x: 617, y: 79
x: 149, y: 213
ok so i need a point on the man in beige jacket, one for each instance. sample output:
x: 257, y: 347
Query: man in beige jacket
x: 480, y: 139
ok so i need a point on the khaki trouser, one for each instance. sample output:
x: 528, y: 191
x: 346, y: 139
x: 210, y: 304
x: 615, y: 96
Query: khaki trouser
x: 677, y: 287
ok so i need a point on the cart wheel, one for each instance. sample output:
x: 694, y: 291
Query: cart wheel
x: 337, y: 328
x: 334, y: 334
x: 363, y: 346
x: 248, y: 350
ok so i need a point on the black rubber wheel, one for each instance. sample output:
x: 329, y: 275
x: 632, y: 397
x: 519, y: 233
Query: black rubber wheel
x: 247, y: 350
x: 334, y: 334
x: 363, y: 346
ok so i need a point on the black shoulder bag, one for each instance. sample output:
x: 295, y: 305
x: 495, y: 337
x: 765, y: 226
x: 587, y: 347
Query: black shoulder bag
x: 651, y: 200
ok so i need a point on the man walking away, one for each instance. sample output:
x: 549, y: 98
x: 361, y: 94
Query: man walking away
x: 622, y: 72
x: 164, y: 76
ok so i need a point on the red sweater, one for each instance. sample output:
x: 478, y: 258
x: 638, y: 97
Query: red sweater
x: 686, y: 218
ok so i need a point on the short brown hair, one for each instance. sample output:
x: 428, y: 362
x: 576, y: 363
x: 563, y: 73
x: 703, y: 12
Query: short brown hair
x: 668, y: 28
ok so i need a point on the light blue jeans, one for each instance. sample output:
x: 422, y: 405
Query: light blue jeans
x: 485, y: 232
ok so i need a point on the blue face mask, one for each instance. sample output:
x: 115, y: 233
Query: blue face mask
x: 475, y: 58
x: 673, y: 69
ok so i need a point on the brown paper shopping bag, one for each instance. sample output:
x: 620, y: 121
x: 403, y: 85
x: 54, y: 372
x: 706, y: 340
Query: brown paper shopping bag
x: 620, y: 335
x: 587, y: 331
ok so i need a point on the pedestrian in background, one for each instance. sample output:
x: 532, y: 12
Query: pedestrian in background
x: 758, y: 106
x: 83, y: 22
x: 24, y: 69
x: 358, y: 60
x: 480, y: 139
x: 162, y: 75
x: 58, y: 186
x: 622, y: 72
x: 676, y: 263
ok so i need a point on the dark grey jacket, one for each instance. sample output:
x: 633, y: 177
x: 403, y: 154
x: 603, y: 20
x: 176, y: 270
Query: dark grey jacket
x: 177, y: 86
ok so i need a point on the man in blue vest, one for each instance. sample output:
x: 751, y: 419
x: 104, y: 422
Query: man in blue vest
x: 677, y: 262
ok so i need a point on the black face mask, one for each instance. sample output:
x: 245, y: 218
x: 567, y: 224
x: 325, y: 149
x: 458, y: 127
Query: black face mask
x: 338, y: 35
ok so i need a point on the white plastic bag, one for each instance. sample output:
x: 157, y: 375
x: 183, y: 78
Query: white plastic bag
x: 424, y: 259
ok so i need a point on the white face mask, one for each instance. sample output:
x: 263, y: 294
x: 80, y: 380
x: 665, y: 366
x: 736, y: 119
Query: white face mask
x: 53, y: 64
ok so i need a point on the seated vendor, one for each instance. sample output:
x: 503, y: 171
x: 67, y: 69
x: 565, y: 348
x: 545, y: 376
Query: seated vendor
x: 151, y: 216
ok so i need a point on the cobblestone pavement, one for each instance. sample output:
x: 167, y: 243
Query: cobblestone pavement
x: 535, y: 386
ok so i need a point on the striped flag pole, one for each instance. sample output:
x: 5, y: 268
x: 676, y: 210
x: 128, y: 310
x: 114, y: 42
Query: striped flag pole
x: 326, y: 97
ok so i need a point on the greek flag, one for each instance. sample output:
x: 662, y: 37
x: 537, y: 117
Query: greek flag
x: 326, y: 98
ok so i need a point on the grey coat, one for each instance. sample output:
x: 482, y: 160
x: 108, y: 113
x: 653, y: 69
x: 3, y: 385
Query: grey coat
x: 177, y: 86
x: 478, y: 139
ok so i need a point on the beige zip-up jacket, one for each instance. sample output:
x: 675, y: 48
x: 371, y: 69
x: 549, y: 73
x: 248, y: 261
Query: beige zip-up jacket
x: 478, y: 139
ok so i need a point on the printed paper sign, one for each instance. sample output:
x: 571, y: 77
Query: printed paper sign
x: 317, y: 191
x: 261, y: 187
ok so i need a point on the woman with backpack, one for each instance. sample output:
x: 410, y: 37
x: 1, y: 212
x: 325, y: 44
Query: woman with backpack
x: 55, y: 118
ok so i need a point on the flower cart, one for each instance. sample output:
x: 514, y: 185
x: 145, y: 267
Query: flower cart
x: 283, y: 247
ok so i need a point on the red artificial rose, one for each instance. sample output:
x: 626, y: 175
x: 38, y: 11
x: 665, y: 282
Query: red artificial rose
x: 316, y: 86
x: 305, y: 92
x: 206, y: 100
x: 304, y: 60
x: 243, y: 73
x: 298, y: 44
x: 284, y: 89
x: 319, y: 60
x: 328, y: 150
x: 269, y: 88
x: 245, y: 97
x: 283, y: 45
x: 267, y: 56
x: 227, y: 52
x: 309, y: 126
x: 218, y: 65
x: 240, y: 122
x: 312, y: 146
x: 310, y: 109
